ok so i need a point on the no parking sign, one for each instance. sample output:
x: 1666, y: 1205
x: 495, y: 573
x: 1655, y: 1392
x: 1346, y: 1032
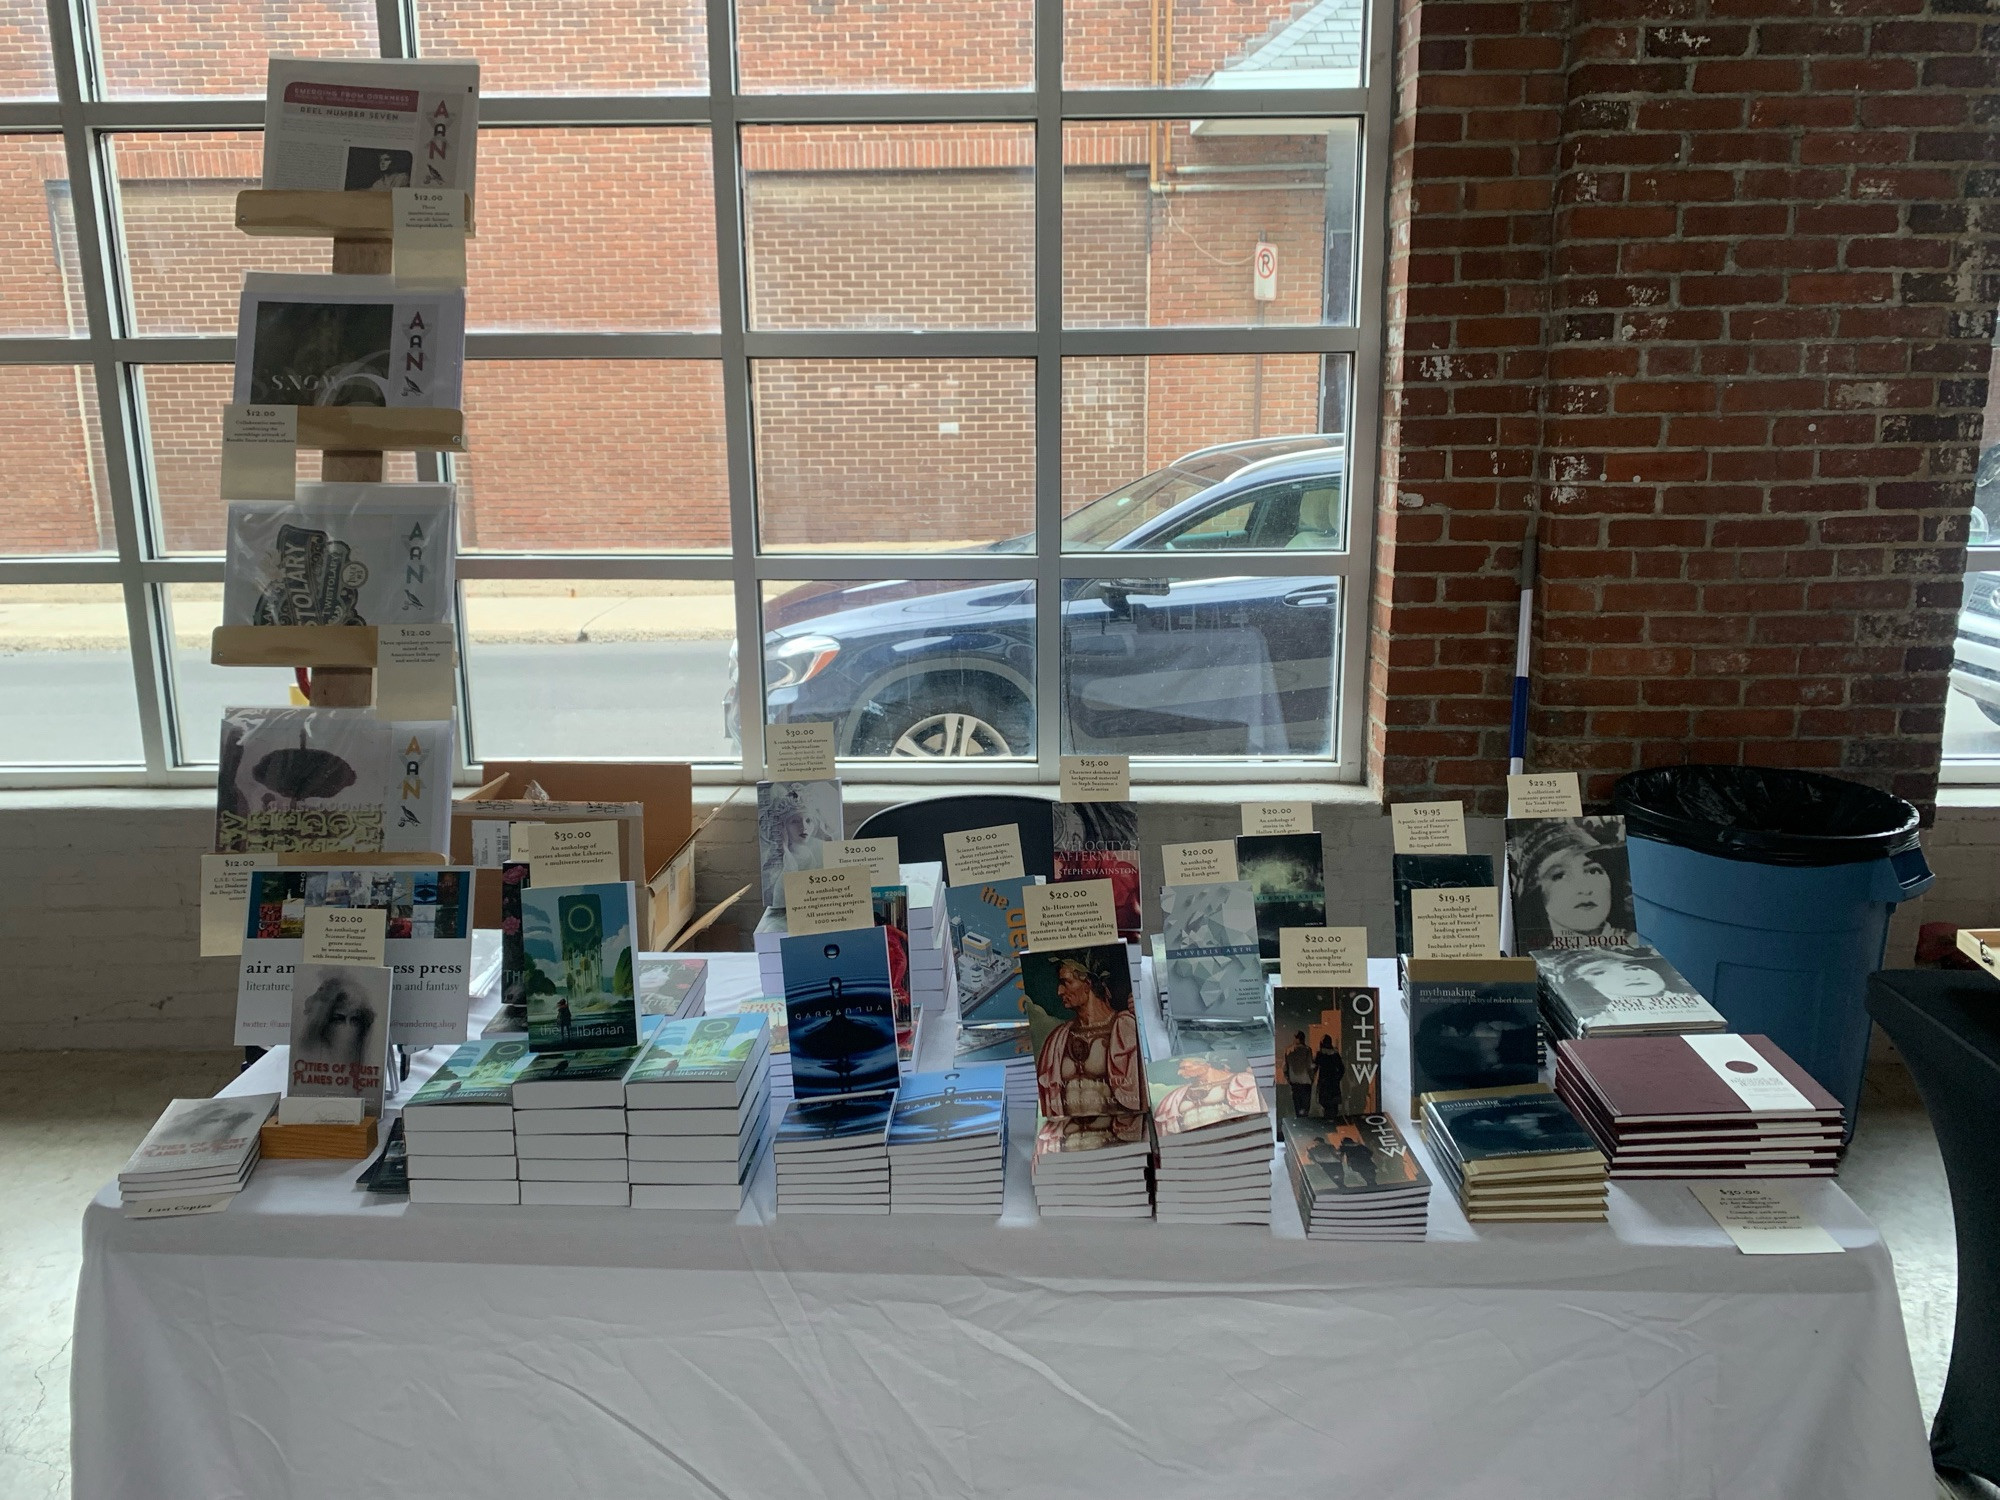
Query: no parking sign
x: 1264, y: 272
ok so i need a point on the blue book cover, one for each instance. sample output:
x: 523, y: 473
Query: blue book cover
x: 989, y: 930
x: 840, y: 1010
x: 858, y: 1119
x: 960, y: 1105
x: 577, y: 940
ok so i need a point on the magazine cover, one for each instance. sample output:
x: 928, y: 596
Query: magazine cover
x: 340, y: 1032
x: 1601, y: 990
x: 1210, y: 936
x: 1434, y: 872
x: 1086, y: 1034
x: 1100, y: 841
x: 342, y: 554
x: 796, y: 820
x: 989, y: 929
x: 428, y: 943
x: 1329, y: 1045
x: 331, y: 780
x: 348, y: 341
x: 579, y: 945
x: 1287, y: 877
x: 1190, y: 1090
x: 1568, y: 883
x: 481, y: 1072
x: 840, y: 1012
x: 369, y: 125
x: 959, y: 1105
x: 1360, y: 1154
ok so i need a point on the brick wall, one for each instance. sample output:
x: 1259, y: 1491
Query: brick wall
x: 1707, y: 288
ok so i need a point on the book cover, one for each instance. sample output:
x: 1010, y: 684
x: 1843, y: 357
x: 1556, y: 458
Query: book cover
x: 340, y: 1032
x: 1087, y: 1054
x: 892, y: 915
x: 370, y: 124
x: 348, y: 341
x: 481, y: 1072
x: 773, y: 1011
x: 389, y: 1173
x: 1355, y: 1154
x: 579, y: 944
x: 666, y: 982
x: 1286, y: 873
x: 840, y: 1013
x: 514, y: 878
x: 586, y: 1065
x: 847, y: 1120
x: 703, y: 1049
x: 1191, y: 1090
x: 1515, y: 1127
x: 1434, y: 872
x: 204, y: 1137
x: 1002, y: 1044
x: 1569, y: 884
x: 1611, y: 989
x: 1077, y: 1135
x: 989, y: 931
x: 796, y: 820
x: 1474, y: 1023
x: 961, y: 1104
x: 331, y: 780
x: 1100, y: 841
x: 1329, y: 1051
x: 1209, y: 933
x: 1664, y: 1078
x: 341, y: 554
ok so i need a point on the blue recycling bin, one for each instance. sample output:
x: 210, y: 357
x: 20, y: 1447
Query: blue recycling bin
x: 1771, y: 890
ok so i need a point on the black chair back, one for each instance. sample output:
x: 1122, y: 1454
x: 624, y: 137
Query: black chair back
x: 919, y: 827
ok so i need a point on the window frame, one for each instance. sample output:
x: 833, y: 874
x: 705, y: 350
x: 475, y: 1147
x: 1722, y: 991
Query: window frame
x: 115, y: 357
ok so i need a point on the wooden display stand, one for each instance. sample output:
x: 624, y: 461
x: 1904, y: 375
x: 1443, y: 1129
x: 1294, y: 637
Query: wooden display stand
x: 277, y: 1142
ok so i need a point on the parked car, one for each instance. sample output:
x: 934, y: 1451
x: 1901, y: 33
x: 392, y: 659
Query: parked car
x: 1235, y: 665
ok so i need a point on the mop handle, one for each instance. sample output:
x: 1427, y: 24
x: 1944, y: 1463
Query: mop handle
x: 1517, y: 731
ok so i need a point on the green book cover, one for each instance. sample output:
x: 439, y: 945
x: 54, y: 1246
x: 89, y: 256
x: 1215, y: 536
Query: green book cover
x: 481, y: 1072
x: 701, y: 1049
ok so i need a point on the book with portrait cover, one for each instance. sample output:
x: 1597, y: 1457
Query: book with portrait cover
x: 331, y: 780
x: 796, y: 820
x: 989, y: 930
x: 348, y: 341
x: 1086, y: 1034
x: 1619, y: 991
x: 340, y: 1032
x: 370, y: 124
x: 1100, y: 841
x: 1209, y: 934
x: 1474, y: 1023
x: 1569, y: 884
x: 197, y: 1156
x: 578, y: 940
x: 1329, y: 1051
x: 1433, y: 872
x: 1287, y: 877
x: 840, y: 1013
x: 478, y: 1077
x: 1196, y: 1090
x: 342, y: 554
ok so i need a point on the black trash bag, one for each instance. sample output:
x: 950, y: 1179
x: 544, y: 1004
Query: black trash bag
x: 1765, y: 815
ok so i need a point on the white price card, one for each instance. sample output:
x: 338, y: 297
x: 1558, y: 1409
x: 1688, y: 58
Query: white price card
x: 983, y: 854
x: 1763, y: 1219
x: 835, y: 900
x: 1277, y: 817
x: 569, y: 853
x: 878, y: 856
x: 225, y: 892
x: 1198, y: 864
x: 427, y: 237
x: 344, y: 935
x: 1455, y: 924
x: 1428, y: 827
x: 1096, y: 778
x: 1070, y: 914
x: 260, y: 452
x: 416, y: 672
x: 799, y: 752
x: 306, y: 1110
x: 1544, y: 794
x: 1323, y: 956
x: 492, y: 843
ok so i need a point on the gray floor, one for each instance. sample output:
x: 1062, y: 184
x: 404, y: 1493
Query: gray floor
x: 68, y: 1120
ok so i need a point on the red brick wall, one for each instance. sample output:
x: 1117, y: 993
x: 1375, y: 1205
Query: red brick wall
x: 1703, y: 284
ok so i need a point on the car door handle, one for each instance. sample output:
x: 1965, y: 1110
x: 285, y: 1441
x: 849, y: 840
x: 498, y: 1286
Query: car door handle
x: 1318, y: 596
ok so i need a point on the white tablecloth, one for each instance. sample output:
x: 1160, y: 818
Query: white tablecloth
x: 318, y: 1341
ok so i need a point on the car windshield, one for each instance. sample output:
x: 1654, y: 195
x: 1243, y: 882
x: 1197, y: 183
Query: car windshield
x: 1113, y: 517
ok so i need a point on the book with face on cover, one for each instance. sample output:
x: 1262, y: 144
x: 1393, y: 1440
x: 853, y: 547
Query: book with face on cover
x: 340, y: 1032
x: 1569, y: 883
x: 1080, y: 1012
x: 1209, y: 933
x: 840, y: 1013
x: 1208, y: 1090
x: 579, y: 944
x: 796, y: 820
x: 1100, y: 841
x: 1287, y: 877
x: 1619, y: 991
x: 342, y: 554
x: 370, y: 124
x: 331, y: 780
x: 1433, y: 872
x: 989, y: 931
x: 348, y: 341
x: 1329, y: 1051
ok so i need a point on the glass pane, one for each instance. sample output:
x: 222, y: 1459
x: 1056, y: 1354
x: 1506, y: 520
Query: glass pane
x: 1179, y: 224
x: 642, y: 457
x: 580, y: 47
x: 184, y: 258
x: 902, y: 668
x: 886, y: 46
x: 1972, y: 709
x: 66, y: 677
x: 183, y: 407
x: 641, y: 257
x: 1200, y: 666
x: 202, y: 690
x: 52, y: 452
x: 41, y: 283
x: 598, y: 669
x: 932, y: 455
x: 890, y: 226
x: 167, y: 47
x: 27, y: 69
x: 1261, y: 44
x: 1205, y: 453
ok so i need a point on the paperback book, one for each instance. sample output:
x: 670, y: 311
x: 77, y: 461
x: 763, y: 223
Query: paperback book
x: 1434, y: 872
x: 1194, y: 1091
x: 1213, y: 1126
x: 1210, y: 937
x: 1474, y: 1023
x: 892, y: 915
x: 1356, y: 1178
x: 949, y: 1109
x: 670, y: 985
x: 579, y: 945
x: 196, y: 1157
x: 1569, y: 883
x: 333, y: 781
x: 342, y: 554
x: 473, y: 1088
x: 340, y: 1032
x: 796, y: 820
x: 840, y: 1013
x: 1093, y: 1166
x: 1329, y: 1041
x: 1624, y: 991
x: 1286, y: 873
x: 369, y: 125
x: 1086, y: 1035
x: 389, y: 1172
x: 832, y: 1155
x: 1100, y: 841
x: 588, y: 1081
x: 989, y: 932
x: 699, y: 1062
x: 348, y: 341
x: 1517, y: 1157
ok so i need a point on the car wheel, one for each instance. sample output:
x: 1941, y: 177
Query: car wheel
x: 947, y: 723
x: 1991, y: 710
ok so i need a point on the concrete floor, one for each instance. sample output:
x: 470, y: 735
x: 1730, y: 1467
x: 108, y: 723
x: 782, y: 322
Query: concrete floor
x: 69, y: 1119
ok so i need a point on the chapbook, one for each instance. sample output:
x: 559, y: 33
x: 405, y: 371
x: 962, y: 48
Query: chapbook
x: 348, y: 341
x: 1100, y: 841
x: 342, y: 554
x: 369, y: 124
x: 579, y: 944
x: 331, y: 780
x: 340, y: 1032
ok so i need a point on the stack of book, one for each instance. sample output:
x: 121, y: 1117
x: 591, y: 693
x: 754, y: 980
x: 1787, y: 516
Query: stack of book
x: 1011, y: 1047
x: 1094, y: 1167
x: 569, y: 1124
x: 459, y: 1127
x: 196, y: 1157
x: 1356, y: 1178
x: 698, y: 1112
x: 833, y: 1155
x: 1700, y: 1106
x: 1516, y: 1157
x: 1625, y: 991
x: 931, y: 967
x: 948, y: 1142
x: 671, y: 985
x: 773, y: 1012
x: 1213, y: 1124
x: 1251, y: 1038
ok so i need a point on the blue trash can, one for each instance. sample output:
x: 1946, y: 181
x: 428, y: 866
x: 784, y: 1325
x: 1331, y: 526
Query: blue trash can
x: 1771, y: 890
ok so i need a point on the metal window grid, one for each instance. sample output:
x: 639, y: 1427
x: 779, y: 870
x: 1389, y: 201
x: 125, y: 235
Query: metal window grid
x: 113, y: 355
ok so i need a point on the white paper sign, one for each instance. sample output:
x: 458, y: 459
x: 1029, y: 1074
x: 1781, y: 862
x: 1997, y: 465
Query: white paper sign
x: 225, y: 886
x: 1096, y: 778
x: 1070, y: 914
x: 344, y: 935
x: 427, y: 237
x: 1763, y: 1219
x: 1749, y: 1074
x: 799, y: 752
x: 1277, y: 817
x: 1199, y: 864
x: 293, y: 1110
x: 983, y: 854
x: 879, y: 856
x: 835, y: 900
x: 1455, y: 924
x: 492, y: 843
x: 1428, y: 827
x: 260, y: 452
x: 569, y: 853
x: 1544, y: 794
x: 415, y: 672
x: 1323, y: 955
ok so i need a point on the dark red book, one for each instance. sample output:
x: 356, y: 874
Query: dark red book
x: 1647, y: 1079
